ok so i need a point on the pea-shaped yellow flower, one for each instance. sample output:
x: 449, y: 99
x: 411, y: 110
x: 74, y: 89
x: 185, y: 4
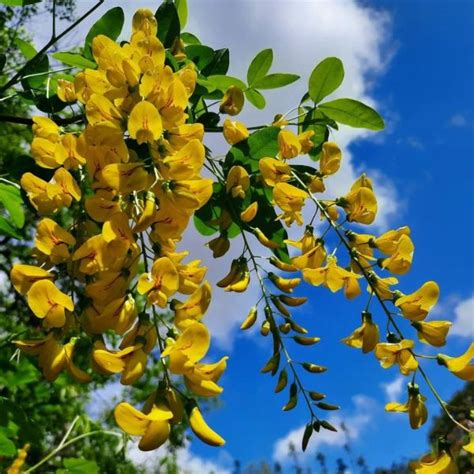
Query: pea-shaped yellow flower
x: 432, y: 332
x: 49, y: 303
x: 144, y: 123
x: 290, y: 200
x: 417, y: 305
x: 460, y: 366
x: 400, y: 261
x: 153, y: 427
x: 366, y: 336
x: 24, y: 276
x: 288, y: 145
x: 397, y: 353
x: 53, y: 241
x: 330, y: 160
x: 161, y: 283
x: 274, y: 171
x: 238, y: 181
x: 234, y: 131
x: 415, y: 407
x: 441, y: 462
x: 232, y: 102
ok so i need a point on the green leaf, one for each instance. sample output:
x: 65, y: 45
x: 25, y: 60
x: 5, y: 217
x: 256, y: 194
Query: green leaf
x: 222, y: 82
x: 200, y: 55
x: 273, y: 81
x: 110, y: 24
x: 10, y: 197
x: 255, y: 98
x: 326, y: 77
x: 219, y: 63
x: 75, y: 60
x: 353, y: 113
x: 260, y: 65
x: 26, y: 48
x: 182, y: 8
x: 19, y: 3
x: 7, y: 229
x: 7, y: 448
x: 168, y: 23
x: 78, y: 466
x: 189, y: 38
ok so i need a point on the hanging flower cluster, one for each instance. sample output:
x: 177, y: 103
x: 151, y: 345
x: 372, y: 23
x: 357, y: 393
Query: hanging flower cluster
x: 122, y: 191
x: 116, y: 260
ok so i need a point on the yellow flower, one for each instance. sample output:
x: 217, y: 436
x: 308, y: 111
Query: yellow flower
x: 469, y: 447
x: 130, y: 362
x: 144, y: 123
x: 24, y: 276
x: 234, y: 131
x: 125, y: 177
x: 153, y: 427
x: 382, y: 286
x: 333, y: 277
x: 100, y: 208
x: 361, y: 245
x: 290, y: 200
x: 66, y: 91
x: 101, y: 110
x: 44, y: 153
x: 53, y: 240
x: 142, y: 333
x: 397, y: 353
x: 433, y: 332
x: 415, y: 407
x: 312, y: 258
x: 194, y: 308
x: 232, y: 102
x: 387, y: 243
x: 238, y: 181
x: 400, y: 261
x: 460, y: 366
x: 417, y: 305
x: 305, y: 141
x: 161, y: 283
x: 366, y: 336
x: 185, y: 163
x: 44, y: 127
x: 288, y: 144
x: 220, y: 245
x: 53, y: 357
x: 274, y: 171
x: 249, y: 213
x: 360, y: 203
x: 144, y: 20
x: 49, y: 303
x: 435, y: 463
x: 191, y: 276
x: 330, y: 161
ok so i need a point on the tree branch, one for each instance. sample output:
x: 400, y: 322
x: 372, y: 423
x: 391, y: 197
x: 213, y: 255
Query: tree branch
x: 29, y: 121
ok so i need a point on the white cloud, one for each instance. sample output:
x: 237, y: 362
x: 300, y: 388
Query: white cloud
x: 355, y: 423
x: 394, y: 389
x: 463, y: 322
x: 458, y: 120
x: 104, y: 399
x: 187, y: 462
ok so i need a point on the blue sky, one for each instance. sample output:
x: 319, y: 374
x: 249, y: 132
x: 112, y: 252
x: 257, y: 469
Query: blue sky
x: 415, y: 61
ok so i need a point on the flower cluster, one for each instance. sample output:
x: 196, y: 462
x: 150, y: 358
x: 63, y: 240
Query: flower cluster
x: 124, y: 189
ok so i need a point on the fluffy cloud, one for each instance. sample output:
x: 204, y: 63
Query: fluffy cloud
x: 463, y: 322
x: 355, y: 423
x: 187, y: 462
x: 394, y: 389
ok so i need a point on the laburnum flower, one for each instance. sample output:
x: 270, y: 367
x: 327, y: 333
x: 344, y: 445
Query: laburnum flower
x: 144, y: 123
x: 469, y: 447
x: 289, y: 145
x: 390, y: 353
x: 100, y: 110
x: 366, y: 336
x: 305, y: 141
x: 234, y: 131
x: 382, y: 286
x: 124, y: 178
x: 153, y: 427
x: 54, y: 241
x: 232, y: 102
x: 360, y: 203
x: 401, y: 259
x: 53, y: 357
x: 415, y: 407
x: 290, y: 200
x: 49, y: 303
x: 118, y: 315
x: 44, y: 127
x: 432, y: 332
x: 191, y: 275
x: 186, y: 352
x: 66, y: 91
x: 238, y: 181
x: 186, y: 163
x: 110, y: 285
x: 441, y: 462
x: 361, y: 245
x: 387, y: 243
x: 161, y: 283
x: 460, y: 366
x: 194, y: 308
x: 220, y: 245
x: 307, y: 242
x: 274, y: 171
x: 24, y: 276
x: 334, y: 277
x: 312, y: 258
x: 249, y: 213
x: 130, y: 362
x: 330, y: 160
x: 417, y: 305
x: 144, y: 332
